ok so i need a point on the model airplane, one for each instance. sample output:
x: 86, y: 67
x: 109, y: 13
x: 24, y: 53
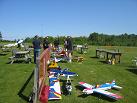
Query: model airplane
x: 62, y: 53
x: 14, y: 44
x: 63, y: 72
x: 54, y: 88
x: 101, y: 89
x: 53, y: 65
x: 62, y: 59
x: 54, y: 85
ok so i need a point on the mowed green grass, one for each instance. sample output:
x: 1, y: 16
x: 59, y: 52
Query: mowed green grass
x: 92, y: 71
x: 12, y: 78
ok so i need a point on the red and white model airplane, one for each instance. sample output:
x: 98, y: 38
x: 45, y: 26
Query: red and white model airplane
x: 101, y: 89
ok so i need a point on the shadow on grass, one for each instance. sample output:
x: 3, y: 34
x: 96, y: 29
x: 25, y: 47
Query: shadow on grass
x: 104, y: 62
x: 94, y: 57
x: 19, y: 62
x: 3, y: 54
x: 99, y: 96
x: 83, y: 95
x: 79, y: 87
x: 29, y: 94
x: 133, y: 69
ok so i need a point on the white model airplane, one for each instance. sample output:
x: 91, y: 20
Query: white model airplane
x: 101, y: 89
x: 14, y: 44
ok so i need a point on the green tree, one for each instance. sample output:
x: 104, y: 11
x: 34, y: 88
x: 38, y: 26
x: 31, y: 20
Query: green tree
x: 0, y: 36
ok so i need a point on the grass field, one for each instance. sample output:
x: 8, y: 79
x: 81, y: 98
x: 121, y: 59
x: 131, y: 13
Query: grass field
x: 92, y: 71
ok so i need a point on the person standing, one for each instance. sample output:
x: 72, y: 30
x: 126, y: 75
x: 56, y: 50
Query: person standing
x: 56, y: 44
x: 36, y: 45
x: 46, y: 43
x: 19, y: 44
x: 69, y: 48
x: 65, y: 44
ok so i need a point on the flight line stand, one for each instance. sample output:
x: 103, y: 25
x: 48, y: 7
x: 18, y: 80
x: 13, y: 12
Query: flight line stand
x: 102, y: 53
x: 113, y: 57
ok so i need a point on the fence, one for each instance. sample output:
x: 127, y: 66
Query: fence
x: 40, y: 74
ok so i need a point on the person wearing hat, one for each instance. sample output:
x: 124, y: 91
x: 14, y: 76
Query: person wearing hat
x: 45, y: 43
x: 36, y: 45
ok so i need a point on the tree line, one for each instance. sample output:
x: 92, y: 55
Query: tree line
x: 99, y: 39
x: 113, y: 40
x: 94, y: 38
x: 76, y: 40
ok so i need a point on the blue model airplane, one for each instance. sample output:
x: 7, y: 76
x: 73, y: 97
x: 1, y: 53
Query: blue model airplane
x: 54, y: 85
x: 63, y: 72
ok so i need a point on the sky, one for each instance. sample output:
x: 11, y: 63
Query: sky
x: 26, y: 18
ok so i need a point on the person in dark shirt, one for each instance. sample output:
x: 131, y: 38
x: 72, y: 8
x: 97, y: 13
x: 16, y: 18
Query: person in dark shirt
x: 56, y: 44
x: 65, y: 44
x: 46, y: 43
x: 19, y: 44
x: 36, y: 45
x: 69, y: 48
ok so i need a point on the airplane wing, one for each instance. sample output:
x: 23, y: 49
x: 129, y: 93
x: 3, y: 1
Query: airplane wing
x: 85, y: 85
x: 63, y: 72
x: 55, y: 70
x: 108, y: 94
x: 66, y: 73
x: 54, y: 89
x: 20, y: 41
x: 9, y: 45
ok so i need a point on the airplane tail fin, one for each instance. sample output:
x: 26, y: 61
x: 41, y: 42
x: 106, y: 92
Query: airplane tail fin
x: 66, y: 69
x: 116, y: 86
x: 55, y: 59
x: 113, y: 82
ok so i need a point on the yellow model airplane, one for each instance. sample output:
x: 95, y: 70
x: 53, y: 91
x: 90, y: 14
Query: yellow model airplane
x: 52, y: 65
